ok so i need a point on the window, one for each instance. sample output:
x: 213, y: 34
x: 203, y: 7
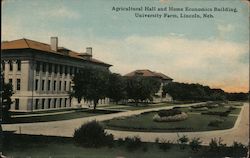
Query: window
x: 18, y: 82
x: 71, y: 70
x: 43, y: 82
x: 18, y: 65
x: 50, y: 68
x: 37, y: 103
x: 38, y: 66
x: 55, y: 67
x: 11, y: 65
x: 3, y: 66
x: 36, y: 84
x: 65, y: 69
x: 54, y: 85
x: 65, y: 102
x: 44, y: 67
x: 69, y: 86
x: 60, y: 69
x: 10, y: 80
x: 60, y: 102
x: 65, y: 84
x: 75, y: 70
x: 60, y: 85
x: 49, y: 100
x: 55, y: 103
x: 43, y: 101
x: 48, y: 85
x: 16, y: 104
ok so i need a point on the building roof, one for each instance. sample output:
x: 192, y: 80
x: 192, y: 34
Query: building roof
x: 148, y: 73
x: 30, y: 44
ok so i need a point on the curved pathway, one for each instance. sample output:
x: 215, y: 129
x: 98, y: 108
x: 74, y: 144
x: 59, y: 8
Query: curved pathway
x: 66, y: 128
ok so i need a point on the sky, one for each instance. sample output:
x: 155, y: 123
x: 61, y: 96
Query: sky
x: 209, y: 51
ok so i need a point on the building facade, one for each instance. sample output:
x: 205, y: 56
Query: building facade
x: 159, y: 96
x: 41, y: 74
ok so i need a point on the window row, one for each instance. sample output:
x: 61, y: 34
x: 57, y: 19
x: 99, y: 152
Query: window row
x: 56, y: 85
x: 49, y: 103
x: 10, y: 63
x: 18, y: 83
x: 42, y: 66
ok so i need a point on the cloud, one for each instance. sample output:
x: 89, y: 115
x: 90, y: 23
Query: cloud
x: 62, y: 12
x: 211, y: 62
x: 224, y: 29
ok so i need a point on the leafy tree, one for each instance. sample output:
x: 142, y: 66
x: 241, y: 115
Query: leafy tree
x: 193, y: 92
x: 141, y: 88
x: 90, y: 84
x: 6, y: 101
x: 116, y: 87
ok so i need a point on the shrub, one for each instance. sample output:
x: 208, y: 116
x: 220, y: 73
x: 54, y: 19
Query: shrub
x: 157, y: 140
x: 214, y: 123
x: 166, y: 113
x: 183, y: 141
x: 195, y: 144
x: 215, y: 145
x: 164, y: 145
x: 133, y: 143
x: 92, y: 134
x: 238, y: 148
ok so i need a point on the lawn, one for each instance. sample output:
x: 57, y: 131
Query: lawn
x: 45, y: 111
x: 194, y: 122
x: 140, y: 107
x: 57, y: 117
x: 23, y: 146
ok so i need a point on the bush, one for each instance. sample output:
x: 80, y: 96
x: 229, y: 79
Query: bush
x: 133, y: 143
x: 166, y: 113
x: 214, y: 123
x: 216, y: 145
x: 164, y: 145
x: 183, y: 141
x: 238, y: 148
x: 92, y: 134
x: 195, y: 144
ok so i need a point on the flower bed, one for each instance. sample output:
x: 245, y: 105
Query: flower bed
x: 177, y: 117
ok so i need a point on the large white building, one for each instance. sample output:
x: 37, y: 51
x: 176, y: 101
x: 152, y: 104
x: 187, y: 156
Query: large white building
x: 41, y: 74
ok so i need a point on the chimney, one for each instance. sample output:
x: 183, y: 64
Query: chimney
x: 89, y: 51
x: 54, y: 43
x: 88, y: 54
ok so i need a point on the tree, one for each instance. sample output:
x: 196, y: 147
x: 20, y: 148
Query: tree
x: 141, y: 88
x: 183, y: 141
x: 116, y: 87
x: 91, y: 84
x: 6, y: 101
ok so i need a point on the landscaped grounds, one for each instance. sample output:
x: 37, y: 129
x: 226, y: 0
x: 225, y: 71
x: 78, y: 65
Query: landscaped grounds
x: 204, y: 117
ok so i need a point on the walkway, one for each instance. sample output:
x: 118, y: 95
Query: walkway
x: 66, y: 128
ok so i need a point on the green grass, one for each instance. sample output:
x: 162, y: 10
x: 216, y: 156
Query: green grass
x: 57, y: 117
x: 194, y: 122
x: 45, y: 111
x: 141, y: 107
x: 23, y: 146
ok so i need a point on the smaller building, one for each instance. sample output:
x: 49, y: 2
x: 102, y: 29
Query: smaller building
x: 159, y: 96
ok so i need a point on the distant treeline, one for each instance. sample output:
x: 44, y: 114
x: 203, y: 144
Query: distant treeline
x: 198, y: 92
